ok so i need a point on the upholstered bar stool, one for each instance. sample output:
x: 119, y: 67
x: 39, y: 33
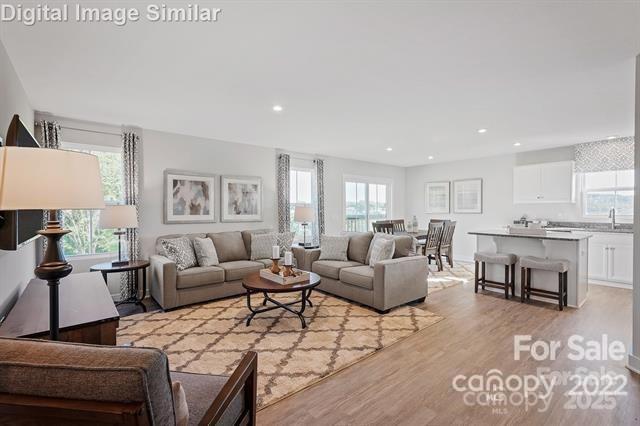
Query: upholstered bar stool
x: 561, y: 266
x: 507, y: 259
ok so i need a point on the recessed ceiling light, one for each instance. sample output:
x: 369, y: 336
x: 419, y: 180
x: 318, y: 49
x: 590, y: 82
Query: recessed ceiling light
x: 611, y: 137
x: 389, y: 149
x: 482, y: 130
x: 430, y: 157
x: 517, y: 144
x: 277, y: 108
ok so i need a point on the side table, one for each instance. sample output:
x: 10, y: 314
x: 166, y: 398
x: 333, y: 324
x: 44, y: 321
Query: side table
x: 133, y: 265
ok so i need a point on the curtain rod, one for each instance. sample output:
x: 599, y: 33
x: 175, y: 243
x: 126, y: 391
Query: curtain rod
x: 38, y: 123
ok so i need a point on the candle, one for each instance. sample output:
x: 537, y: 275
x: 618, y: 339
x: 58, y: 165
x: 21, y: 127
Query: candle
x: 275, y: 252
x: 288, y: 258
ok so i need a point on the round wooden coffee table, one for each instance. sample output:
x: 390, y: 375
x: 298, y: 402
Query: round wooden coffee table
x: 254, y: 283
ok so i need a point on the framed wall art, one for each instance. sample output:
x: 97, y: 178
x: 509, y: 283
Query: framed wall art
x: 436, y: 197
x: 241, y: 199
x: 189, y: 197
x: 467, y: 196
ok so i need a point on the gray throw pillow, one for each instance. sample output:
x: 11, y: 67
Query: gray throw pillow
x: 205, y: 252
x: 261, y: 245
x: 285, y: 241
x: 334, y: 247
x: 180, y: 251
x: 377, y: 236
x: 382, y: 250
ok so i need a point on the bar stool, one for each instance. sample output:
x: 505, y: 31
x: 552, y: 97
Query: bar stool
x: 561, y: 266
x: 507, y: 259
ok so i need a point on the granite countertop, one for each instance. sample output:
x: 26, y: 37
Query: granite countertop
x: 559, y: 236
x: 621, y: 228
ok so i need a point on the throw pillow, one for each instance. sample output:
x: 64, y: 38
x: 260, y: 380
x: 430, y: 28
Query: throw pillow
x: 180, y: 404
x: 376, y: 237
x: 334, y: 247
x: 382, y: 250
x: 261, y: 245
x: 180, y: 251
x: 205, y: 252
x: 285, y: 241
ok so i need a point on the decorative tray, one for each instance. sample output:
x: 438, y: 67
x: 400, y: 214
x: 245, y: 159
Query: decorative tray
x: 300, y: 276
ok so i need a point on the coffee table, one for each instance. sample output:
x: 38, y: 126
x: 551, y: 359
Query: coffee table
x: 254, y: 283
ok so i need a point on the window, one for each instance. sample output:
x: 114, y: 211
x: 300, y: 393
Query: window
x: 300, y: 194
x: 604, y: 190
x: 86, y: 237
x: 366, y: 201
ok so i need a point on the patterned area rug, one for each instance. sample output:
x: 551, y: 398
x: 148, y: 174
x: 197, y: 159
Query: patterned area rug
x: 211, y: 338
x: 458, y: 274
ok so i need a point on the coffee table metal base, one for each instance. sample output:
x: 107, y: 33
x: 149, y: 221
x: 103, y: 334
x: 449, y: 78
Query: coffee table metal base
x: 304, y: 300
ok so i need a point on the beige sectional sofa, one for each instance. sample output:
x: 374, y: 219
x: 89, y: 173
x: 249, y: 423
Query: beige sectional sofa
x: 171, y: 288
x: 388, y: 284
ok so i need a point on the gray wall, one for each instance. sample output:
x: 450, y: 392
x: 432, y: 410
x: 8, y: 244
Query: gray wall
x: 16, y: 266
x: 498, y: 208
x: 634, y: 353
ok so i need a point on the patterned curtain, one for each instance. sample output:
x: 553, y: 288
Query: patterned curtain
x: 319, y: 228
x: 284, y: 212
x: 130, y: 157
x: 51, y: 133
x: 599, y: 156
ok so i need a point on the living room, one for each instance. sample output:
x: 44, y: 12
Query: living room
x: 291, y: 218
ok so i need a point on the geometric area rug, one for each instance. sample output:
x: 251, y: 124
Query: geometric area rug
x: 211, y: 338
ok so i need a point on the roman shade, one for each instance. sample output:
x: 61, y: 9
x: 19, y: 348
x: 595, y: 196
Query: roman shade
x: 600, y: 156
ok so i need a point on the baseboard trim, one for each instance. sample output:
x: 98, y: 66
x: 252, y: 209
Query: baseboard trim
x: 633, y: 363
x: 610, y: 284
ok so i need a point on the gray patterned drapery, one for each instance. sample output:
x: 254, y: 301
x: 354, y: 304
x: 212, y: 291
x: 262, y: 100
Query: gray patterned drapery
x: 284, y: 213
x: 130, y: 164
x: 599, y: 156
x: 319, y: 202
x: 50, y: 138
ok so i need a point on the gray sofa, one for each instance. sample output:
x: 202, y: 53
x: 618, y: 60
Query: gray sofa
x: 171, y: 288
x: 388, y: 284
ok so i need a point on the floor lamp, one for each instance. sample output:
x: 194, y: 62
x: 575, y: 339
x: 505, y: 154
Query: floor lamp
x: 50, y: 179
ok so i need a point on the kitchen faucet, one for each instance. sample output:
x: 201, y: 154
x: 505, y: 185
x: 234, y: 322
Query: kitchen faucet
x: 612, y: 216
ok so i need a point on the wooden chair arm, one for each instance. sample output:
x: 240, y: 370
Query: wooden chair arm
x: 245, y: 375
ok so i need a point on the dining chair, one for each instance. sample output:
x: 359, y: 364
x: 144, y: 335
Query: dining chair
x: 446, y: 246
x: 383, y: 226
x: 433, y: 239
x: 398, y: 226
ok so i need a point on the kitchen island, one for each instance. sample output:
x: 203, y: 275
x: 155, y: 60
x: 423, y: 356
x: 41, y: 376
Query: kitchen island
x: 570, y: 246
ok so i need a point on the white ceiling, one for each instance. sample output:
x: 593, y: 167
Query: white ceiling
x: 353, y: 78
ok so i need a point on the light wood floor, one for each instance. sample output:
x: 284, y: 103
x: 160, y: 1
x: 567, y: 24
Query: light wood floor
x: 411, y: 382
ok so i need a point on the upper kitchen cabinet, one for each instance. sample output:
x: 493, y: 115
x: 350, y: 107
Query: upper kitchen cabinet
x: 544, y: 183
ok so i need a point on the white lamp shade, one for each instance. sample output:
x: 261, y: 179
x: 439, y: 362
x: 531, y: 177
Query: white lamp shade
x: 49, y: 179
x: 303, y: 214
x: 114, y: 217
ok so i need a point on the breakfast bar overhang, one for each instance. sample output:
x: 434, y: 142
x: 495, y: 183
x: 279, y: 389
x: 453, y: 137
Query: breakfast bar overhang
x: 570, y: 246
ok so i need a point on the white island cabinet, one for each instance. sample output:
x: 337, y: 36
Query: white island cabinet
x: 570, y: 246
x: 611, y: 258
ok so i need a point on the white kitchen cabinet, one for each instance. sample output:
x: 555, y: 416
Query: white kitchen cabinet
x: 611, y: 258
x: 544, y: 183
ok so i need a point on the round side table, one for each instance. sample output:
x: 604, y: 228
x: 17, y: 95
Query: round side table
x: 134, y: 266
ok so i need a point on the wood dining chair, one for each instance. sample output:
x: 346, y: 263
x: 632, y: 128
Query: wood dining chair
x: 398, y: 226
x: 432, y: 243
x: 383, y: 226
x: 446, y: 246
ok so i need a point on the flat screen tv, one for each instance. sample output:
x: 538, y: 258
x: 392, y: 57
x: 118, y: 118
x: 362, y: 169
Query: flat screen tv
x: 19, y: 227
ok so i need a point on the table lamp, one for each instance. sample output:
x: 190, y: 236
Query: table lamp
x: 303, y: 215
x: 50, y: 179
x: 119, y: 217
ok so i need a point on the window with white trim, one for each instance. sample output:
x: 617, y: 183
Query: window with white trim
x: 605, y: 190
x: 86, y: 237
x: 300, y: 194
x: 365, y: 200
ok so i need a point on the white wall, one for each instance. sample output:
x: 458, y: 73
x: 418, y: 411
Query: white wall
x: 16, y: 266
x: 498, y: 208
x: 162, y: 151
